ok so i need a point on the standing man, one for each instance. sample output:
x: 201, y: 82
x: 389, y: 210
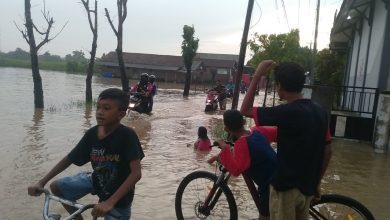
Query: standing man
x: 303, y: 141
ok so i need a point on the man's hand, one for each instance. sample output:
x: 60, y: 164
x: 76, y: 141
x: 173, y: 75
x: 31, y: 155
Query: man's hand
x: 101, y: 209
x: 263, y: 67
x: 35, y: 190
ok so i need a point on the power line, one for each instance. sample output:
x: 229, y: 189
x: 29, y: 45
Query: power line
x: 299, y: 11
x: 285, y: 14
x: 277, y: 10
x: 261, y: 14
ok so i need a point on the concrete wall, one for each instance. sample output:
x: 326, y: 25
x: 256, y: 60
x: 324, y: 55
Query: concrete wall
x: 382, y: 124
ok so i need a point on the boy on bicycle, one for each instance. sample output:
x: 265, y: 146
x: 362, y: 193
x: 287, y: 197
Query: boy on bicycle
x: 252, y: 154
x: 303, y: 140
x: 115, y: 154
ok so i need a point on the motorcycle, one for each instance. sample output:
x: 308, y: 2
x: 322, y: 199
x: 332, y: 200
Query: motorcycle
x: 136, y: 103
x: 211, y: 101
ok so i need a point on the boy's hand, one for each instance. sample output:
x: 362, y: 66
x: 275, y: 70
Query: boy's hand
x: 222, y: 144
x: 101, y: 209
x: 35, y: 190
x: 212, y: 159
x: 263, y: 67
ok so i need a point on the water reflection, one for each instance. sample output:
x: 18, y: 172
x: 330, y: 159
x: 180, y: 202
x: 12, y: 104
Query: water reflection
x: 88, y: 116
x: 32, y: 152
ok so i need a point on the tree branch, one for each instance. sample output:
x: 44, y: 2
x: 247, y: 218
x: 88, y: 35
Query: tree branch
x: 110, y: 22
x: 124, y: 3
x: 86, y: 6
x: 24, y: 34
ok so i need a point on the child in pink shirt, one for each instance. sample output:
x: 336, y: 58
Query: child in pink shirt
x: 203, y: 143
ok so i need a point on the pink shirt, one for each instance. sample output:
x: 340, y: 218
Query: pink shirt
x: 203, y: 144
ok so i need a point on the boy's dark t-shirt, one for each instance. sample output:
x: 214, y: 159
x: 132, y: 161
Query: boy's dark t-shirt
x: 110, y: 158
x: 302, y: 136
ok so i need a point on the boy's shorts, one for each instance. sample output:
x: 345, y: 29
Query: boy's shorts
x: 264, y: 200
x: 290, y: 204
x: 79, y: 185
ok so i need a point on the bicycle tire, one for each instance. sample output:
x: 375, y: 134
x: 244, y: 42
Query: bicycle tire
x: 194, y: 189
x: 333, y: 206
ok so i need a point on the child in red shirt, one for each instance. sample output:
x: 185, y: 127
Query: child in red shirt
x: 203, y: 143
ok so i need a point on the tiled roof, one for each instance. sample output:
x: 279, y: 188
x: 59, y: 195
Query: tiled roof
x: 154, y: 61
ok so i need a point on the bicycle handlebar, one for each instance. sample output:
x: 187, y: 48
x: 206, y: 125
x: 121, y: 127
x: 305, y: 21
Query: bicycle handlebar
x: 80, y: 207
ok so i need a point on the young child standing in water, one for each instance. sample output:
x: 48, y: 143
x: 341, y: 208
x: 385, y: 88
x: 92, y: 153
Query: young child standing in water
x: 203, y: 143
x: 115, y: 153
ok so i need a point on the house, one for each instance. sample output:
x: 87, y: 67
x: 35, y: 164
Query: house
x: 361, y: 29
x: 206, y: 67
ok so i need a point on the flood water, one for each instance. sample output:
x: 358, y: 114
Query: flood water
x: 32, y: 142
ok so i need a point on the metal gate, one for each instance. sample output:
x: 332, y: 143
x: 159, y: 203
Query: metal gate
x: 353, y: 112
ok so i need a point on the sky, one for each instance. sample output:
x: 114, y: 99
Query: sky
x: 156, y: 26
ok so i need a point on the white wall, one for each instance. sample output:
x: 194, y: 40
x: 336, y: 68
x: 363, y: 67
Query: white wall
x: 377, y: 37
x: 375, y: 49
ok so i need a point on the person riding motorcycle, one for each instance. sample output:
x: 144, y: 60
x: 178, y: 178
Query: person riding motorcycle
x: 152, y: 79
x: 143, y: 89
x: 221, y: 91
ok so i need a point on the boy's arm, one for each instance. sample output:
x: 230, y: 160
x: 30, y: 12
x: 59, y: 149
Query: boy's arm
x: 247, y: 103
x: 103, y: 208
x: 236, y: 162
x: 58, y: 168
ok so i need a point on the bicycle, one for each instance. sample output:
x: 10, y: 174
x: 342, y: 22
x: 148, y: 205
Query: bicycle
x: 79, y: 208
x: 202, y: 194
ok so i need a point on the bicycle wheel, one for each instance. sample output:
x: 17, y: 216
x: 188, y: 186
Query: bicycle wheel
x: 192, y: 193
x: 334, y: 206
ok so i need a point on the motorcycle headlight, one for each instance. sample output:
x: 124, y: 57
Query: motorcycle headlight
x: 131, y: 105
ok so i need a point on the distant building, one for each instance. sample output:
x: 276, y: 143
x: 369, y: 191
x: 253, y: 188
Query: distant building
x: 206, y: 67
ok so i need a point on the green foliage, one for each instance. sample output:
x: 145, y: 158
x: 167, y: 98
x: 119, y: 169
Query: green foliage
x: 48, y: 57
x: 75, y: 63
x: 18, y: 54
x: 279, y: 47
x: 329, y: 67
x: 189, y: 45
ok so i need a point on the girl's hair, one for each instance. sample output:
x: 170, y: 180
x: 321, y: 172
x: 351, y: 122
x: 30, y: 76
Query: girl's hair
x: 202, y: 132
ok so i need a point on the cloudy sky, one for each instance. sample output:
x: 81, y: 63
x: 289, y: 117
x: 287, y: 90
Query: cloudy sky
x: 155, y: 26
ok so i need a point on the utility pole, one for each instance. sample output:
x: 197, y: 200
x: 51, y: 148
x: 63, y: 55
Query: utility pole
x: 315, y: 45
x: 241, y: 57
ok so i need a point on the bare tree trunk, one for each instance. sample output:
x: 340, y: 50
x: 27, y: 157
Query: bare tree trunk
x: 38, y: 91
x: 93, y: 27
x: 122, y: 13
x: 28, y: 35
x: 187, y: 82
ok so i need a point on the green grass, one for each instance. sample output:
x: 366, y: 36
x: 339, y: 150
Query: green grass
x: 44, y: 65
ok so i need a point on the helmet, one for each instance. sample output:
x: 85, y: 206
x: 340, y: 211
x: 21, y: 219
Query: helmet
x: 144, y: 75
x: 152, y: 78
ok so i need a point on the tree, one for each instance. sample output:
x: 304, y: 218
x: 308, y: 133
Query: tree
x: 329, y: 68
x: 93, y: 27
x: 279, y: 47
x: 28, y: 35
x: 189, y: 46
x: 122, y: 13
